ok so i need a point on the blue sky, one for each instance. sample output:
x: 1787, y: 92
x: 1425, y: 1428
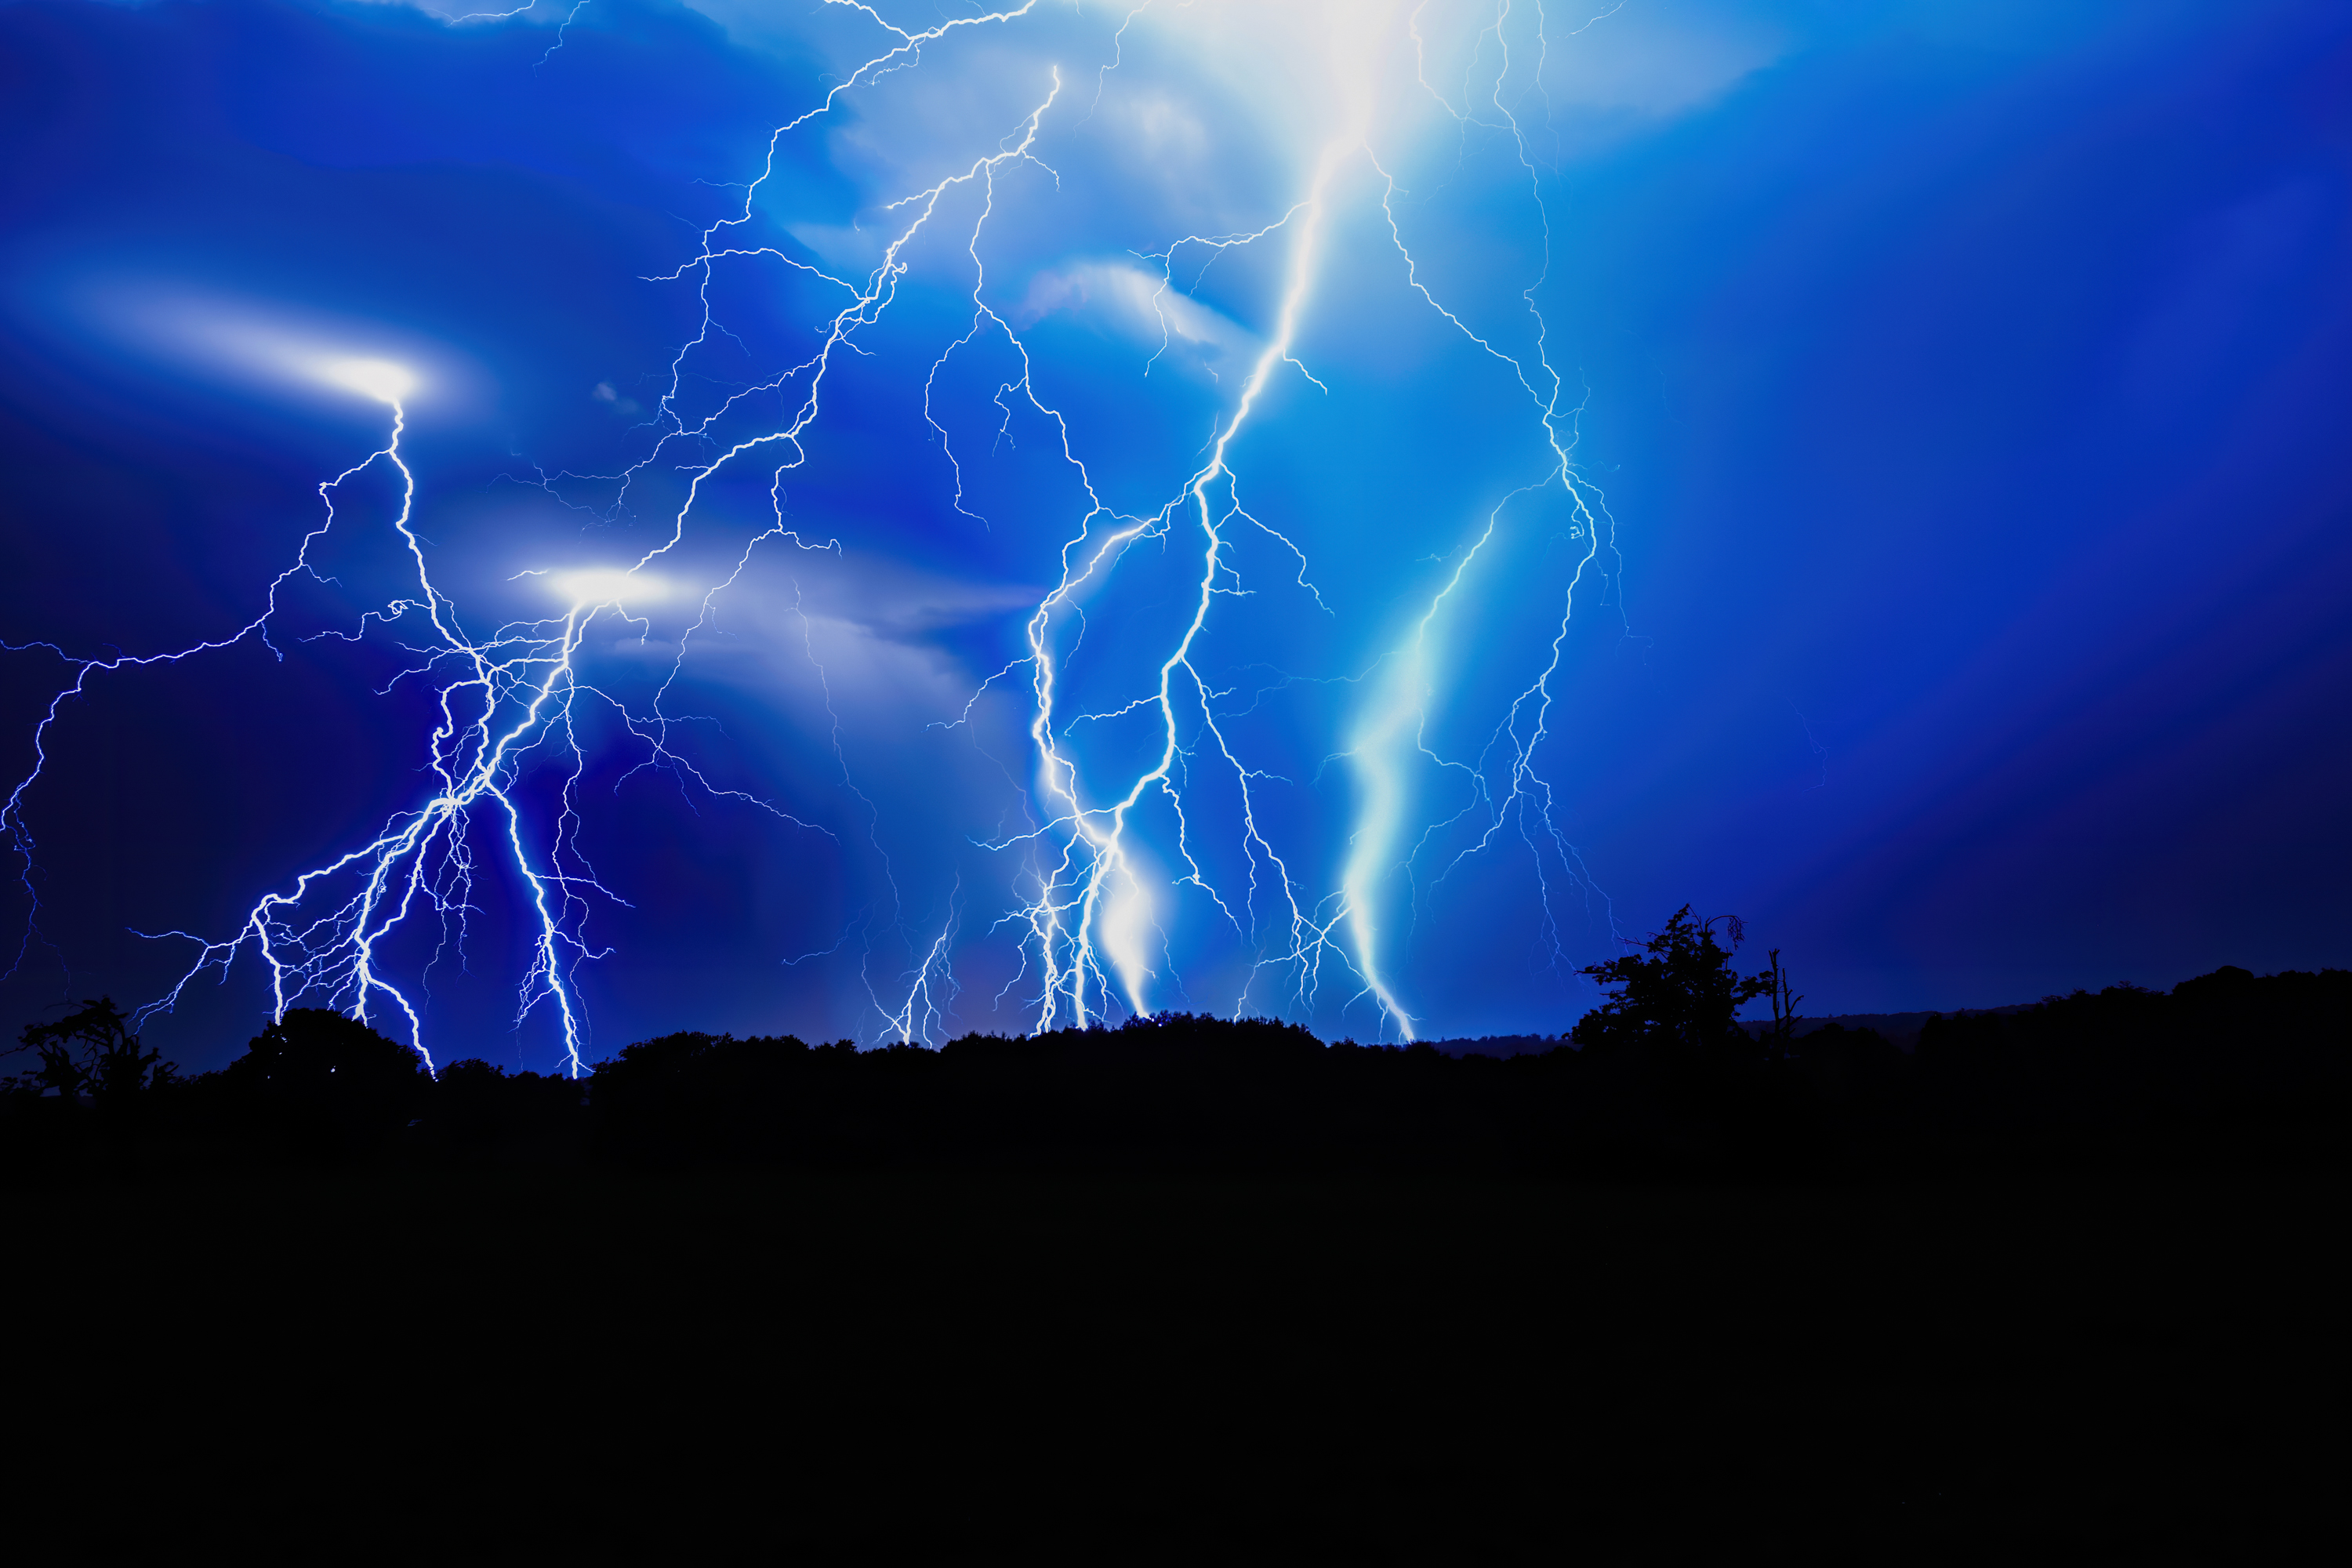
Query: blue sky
x: 1947, y: 575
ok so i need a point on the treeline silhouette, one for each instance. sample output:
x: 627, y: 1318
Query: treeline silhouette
x: 1660, y: 1077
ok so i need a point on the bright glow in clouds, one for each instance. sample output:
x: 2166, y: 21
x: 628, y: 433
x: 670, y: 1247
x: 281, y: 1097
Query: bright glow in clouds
x: 1142, y: 299
x: 380, y: 379
x: 288, y: 350
x: 608, y: 587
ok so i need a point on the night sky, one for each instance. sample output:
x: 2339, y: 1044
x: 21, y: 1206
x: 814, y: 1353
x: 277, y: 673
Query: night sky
x: 1470, y: 483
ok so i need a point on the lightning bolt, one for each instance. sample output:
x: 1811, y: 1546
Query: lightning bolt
x: 1088, y: 918
x: 421, y: 856
x: 1395, y: 727
x: 1096, y: 884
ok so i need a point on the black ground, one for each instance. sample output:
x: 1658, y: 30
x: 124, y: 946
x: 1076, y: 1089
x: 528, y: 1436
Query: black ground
x: 957, y: 1366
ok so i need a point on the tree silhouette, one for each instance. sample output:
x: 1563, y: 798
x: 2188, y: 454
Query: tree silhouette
x: 317, y: 1052
x: 94, y: 1052
x: 1784, y: 1003
x: 1676, y: 998
x: 330, y: 1084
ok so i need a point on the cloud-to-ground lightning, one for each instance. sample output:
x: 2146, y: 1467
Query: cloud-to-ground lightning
x: 1091, y: 897
x: 499, y: 697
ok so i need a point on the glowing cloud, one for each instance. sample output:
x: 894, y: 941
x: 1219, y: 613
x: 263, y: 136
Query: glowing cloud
x: 380, y: 379
x: 608, y: 585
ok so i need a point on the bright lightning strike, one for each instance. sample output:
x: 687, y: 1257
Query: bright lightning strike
x: 1111, y: 854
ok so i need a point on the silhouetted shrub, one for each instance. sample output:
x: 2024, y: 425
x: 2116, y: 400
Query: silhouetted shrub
x: 320, y: 1085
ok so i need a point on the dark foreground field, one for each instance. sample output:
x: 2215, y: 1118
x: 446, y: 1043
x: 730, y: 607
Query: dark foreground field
x: 1181, y: 1368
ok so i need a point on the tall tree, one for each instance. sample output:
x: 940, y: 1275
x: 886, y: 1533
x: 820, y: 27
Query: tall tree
x: 93, y: 1052
x: 1677, y: 997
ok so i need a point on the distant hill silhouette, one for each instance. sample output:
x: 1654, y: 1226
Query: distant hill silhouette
x: 1500, y: 1044
x: 1900, y: 1028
